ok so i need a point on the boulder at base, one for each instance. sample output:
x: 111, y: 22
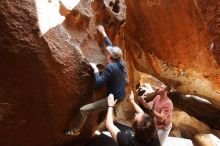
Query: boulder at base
x: 174, y: 141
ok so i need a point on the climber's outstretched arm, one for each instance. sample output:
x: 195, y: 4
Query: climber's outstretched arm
x: 109, y: 119
x: 101, y: 29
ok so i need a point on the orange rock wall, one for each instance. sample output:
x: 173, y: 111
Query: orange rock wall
x: 45, y: 77
x: 209, y: 10
x: 170, y: 40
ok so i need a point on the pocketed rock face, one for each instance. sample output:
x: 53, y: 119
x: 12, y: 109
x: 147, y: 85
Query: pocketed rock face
x: 81, y: 24
x: 170, y: 40
x: 210, y: 12
x: 44, y: 75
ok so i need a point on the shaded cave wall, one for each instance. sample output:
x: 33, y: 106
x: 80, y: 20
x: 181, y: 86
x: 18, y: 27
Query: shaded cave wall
x: 45, y: 75
x: 45, y: 78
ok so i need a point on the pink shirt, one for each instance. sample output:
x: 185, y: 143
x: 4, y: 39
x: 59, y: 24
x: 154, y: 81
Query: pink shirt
x: 163, y: 106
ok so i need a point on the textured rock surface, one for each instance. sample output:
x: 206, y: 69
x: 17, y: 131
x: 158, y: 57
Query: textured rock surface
x: 46, y: 46
x: 170, y: 40
x: 207, y: 140
x: 44, y: 75
x: 210, y: 12
x: 187, y: 125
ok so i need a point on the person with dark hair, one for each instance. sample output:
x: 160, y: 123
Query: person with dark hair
x: 114, y: 75
x: 144, y: 127
x: 161, y: 107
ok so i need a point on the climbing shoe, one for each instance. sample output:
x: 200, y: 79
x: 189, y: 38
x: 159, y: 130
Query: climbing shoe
x: 72, y: 132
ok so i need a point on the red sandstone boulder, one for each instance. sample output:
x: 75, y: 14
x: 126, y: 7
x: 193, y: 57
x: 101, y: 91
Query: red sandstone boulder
x: 46, y: 46
x: 170, y: 40
x: 44, y: 73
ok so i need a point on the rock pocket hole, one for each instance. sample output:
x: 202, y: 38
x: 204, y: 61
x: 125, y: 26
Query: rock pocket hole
x: 111, y: 4
x: 115, y: 6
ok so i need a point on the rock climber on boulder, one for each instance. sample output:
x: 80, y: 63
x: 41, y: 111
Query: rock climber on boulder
x: 115, y: 78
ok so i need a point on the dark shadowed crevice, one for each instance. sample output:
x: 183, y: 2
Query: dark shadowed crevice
x: 115, y: 6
